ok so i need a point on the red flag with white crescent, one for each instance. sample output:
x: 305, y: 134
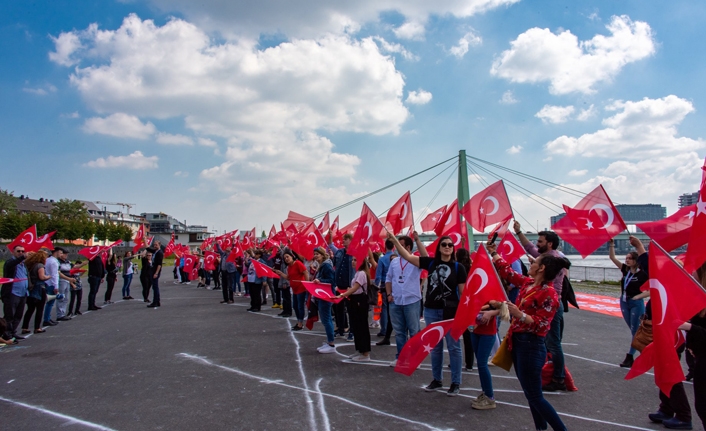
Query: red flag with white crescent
x: 324, y: 225
x: 500, y: 228
x: 209, y: 260
x: 696, y: 251
x: 448, y: 218
x: 139, y: 239
x: 27, y: 239
x: 297, y: 221
x: 307, y: 240
x: 368, y: 232
x: 169, y: 250
x: 417, y: 348
x: 190, y: 261
x: 44, y: 241
x: 676, y: 297
x: 273, y: 232
x: 482, y: 285
x: 321, y: 291
x: 591, y: 223
x: 400, y: 214
x: 236, y: 252
x: 510, y: 248
x: 491, y: 205
x: 671, y: 232
x: 263, y: 270
x: 431, y: 220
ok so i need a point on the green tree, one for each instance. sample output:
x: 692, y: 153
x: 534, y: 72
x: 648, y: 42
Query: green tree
x: 69, y: 219
x: 126, y: 233
x: 11, y: 225
x: 8, y: 202
x: 115, y: 232
x: 88, y: 229
x: 69, y: 209
x: 101, y: 231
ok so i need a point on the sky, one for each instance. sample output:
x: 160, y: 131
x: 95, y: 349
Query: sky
x: 229, y: 113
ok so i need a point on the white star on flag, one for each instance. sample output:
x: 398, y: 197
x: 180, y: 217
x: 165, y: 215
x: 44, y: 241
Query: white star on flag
x: 700, y: 207
x: 589, y: 224
x: 690, y: 215
x: 428, y: 348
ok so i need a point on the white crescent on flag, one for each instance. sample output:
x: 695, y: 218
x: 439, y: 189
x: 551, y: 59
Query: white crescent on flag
x: 404, y: 210
x: 439, y: 330
x: 663, y: 299
x: 457, y: 241
x: 483, y: 278
x: 369, y: 227
x: 609, y: 212
x: 496, y: 204
x: 509, y: 245
x: 31, y: 238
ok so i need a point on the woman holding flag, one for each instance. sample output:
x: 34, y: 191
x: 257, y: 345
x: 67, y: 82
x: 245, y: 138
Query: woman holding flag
x: 358, y: 306
x: 296, y: 272
x: 532, y: 313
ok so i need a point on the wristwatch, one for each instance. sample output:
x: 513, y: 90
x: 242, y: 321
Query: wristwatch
x: 524, y: 317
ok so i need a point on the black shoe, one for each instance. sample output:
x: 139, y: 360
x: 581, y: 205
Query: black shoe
x: 264, y: 302
x: 285, y: 315
x: 297, y: 328
x: 145, y: 300
x: 97, y: 308
x: 64, y: 319
x: 453, y: 390
x: 380, y: 334
x: 676, y: 424
x: 554, y: 386
x: 689, y: 376
x: 153, y: 306
x: 383, y: 342
x: 253, y: 310
x: 659, y: 417
x: 78, y: 313
x: 19, y: 337
x: 433, y: 386
x: 627, y: 363
x: 48, y: 323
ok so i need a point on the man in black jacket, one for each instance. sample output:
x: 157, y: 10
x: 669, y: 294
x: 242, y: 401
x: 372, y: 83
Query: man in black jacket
x: 157, y: 258
x: 14, y: 295
x: 96, y: 274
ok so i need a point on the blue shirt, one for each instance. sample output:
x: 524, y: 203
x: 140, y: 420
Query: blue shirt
x: 20, y: 288
x: 383, y: 267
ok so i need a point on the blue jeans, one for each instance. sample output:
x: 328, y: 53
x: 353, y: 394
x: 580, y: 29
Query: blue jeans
x: 127, y: 279
x: 299, y: 305
x: 632, y: 310
x: 432, y: 315
x: 234, y: 280
x: 405, y: 318
x: 326, y: 318
x: 528, y: 355
x: 51, y: 290
x: 482, y: 345
x: 553, y: 343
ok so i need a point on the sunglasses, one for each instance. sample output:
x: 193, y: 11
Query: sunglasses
x: 447, y: 244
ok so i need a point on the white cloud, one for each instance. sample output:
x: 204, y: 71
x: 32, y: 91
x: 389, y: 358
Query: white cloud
x: 639, y: 130
x: 420, y: 97
x: 587, y: 114
x: 508, y: 98
x: 207, y: 142
x: 135, y: 160
x: 578, y: 172
x: 169, y: 139
x: 66, y: 45
x: 313, y: 18
x: 468, y: 40
x: 515, y: 149
x: 395, y: 48
x: 181, y: 174
x: 411, y: 30
x: 74, y: 114
x: 538, y: 55
x: 120, y: 125
x: 40, y: 91
x: 554, y: 114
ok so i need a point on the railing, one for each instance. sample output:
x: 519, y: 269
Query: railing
x: 591, y: 273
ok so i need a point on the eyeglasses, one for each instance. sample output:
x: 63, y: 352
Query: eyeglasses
x: 20, y: 251
x: 446, y: 244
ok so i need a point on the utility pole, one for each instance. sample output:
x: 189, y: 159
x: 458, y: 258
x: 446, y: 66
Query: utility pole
x: 464, y: 193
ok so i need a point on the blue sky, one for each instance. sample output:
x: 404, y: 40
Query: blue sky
x: 230, y: 114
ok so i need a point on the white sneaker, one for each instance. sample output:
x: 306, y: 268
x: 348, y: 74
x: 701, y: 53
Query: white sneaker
x: 393, y: 364
x: 354, y: 355
x: 322, y: 346
x: 361, y: 358
x: 327, y: 349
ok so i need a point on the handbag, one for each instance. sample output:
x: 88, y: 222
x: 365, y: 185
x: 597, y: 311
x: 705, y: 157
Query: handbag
x: 372, y: 291
x: 503, y: 357
x: 643, y: 336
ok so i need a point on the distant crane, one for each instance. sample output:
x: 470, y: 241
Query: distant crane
x: 128, y: 206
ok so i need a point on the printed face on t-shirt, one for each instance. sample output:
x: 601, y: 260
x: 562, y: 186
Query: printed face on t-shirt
x: 439, y: 287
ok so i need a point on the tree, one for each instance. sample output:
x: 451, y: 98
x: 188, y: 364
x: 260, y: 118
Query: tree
x: 8, y: 202
x: 88, y: 229
x: 101, y: 231
x: 69, y: 210
x: 126, y: 233
x: 69, y: 219
x: 11, y: 225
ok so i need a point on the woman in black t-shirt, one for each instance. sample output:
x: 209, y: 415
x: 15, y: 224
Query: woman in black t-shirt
x: 445, y: 286
x: 631, y: 298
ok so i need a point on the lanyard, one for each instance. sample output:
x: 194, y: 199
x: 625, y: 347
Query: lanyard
x: 402, y: 267
x: 628, y: 278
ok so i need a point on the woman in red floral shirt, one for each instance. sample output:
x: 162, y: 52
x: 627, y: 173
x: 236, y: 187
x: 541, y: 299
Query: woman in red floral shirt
x: 532, y: 314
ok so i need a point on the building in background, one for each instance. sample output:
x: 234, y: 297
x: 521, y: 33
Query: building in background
x: 688, y: 199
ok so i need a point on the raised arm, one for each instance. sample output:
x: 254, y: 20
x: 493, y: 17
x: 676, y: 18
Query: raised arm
x: 403, y: 252
x: 639, y: 247
x: 615, y: 260
x: 518, y: 231
x: 420, y: 245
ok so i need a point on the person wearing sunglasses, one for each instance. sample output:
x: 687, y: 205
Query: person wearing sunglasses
x: 445, y: 286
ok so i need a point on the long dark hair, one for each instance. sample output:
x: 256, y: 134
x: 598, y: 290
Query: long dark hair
x: 552, y: 266
x: 464, y: 258
x: 437, y: 253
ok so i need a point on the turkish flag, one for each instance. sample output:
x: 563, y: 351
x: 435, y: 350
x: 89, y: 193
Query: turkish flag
x: 501, y: 228
x: 482, y: 285
x: 418, y: 347
x: 169, y: 250
x: 263, y: 270
x: 297, y: 220
x: 591, y: 223
x: 272, y: 233
x: 45, y: 240
x: 307, y: 240
x: 448, y: 218
x: 452, y: 226
x: 321, y: 291
x: 489, y: 206
x: 189, y: 262
x: 334, y: 227
x: 236, y: 252
x: 696, y: 251
x: 400, y: 214
x: 209, y: 260
x: 74, y: 271
x: 510, y: 248
x: 430, y: 221
x: 325, y: 224
x: 12, y: 280
x: 27, y: 239
x: 676, y: 298
x: 366, y: 235
x: 247, y: 242
x: 671, y: 232
x: 139, y: 239
x: 92, y: 252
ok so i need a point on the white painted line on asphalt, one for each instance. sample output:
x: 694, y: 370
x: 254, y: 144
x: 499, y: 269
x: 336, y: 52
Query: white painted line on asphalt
x: 322, y: 406
x: 309, y: 402
x: 10, y: 381
x: 336, y: 397
x: 70, y: 419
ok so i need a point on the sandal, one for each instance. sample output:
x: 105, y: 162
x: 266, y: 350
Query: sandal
x: 26, y: 331
x: 39, y: 331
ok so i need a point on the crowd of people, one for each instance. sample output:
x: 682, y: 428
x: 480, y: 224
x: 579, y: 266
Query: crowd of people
x: 414, y: 287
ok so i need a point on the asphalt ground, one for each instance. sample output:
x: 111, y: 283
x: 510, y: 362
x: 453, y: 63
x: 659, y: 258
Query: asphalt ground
x: 195, y: 364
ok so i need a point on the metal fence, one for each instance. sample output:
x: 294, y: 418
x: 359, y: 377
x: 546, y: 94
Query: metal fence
x: 590, y: 273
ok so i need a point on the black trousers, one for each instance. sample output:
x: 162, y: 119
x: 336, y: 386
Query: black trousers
x: 76, y: 296
x: 676, y: 404
x: 468, y: 348
x: 227, y: 291
x: 255, y: 295
x: 388, y: 331
x: 32, y: 306
x: 216, y: 279
x: 276, y: 292
x: 146, y: 284
x: 13, y: 309
x: 286, y: 300
x: 699, y: 373
x: 94, y: 283
x: 341, y: 317
x: 358, y: 310
x: 110, y: 283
